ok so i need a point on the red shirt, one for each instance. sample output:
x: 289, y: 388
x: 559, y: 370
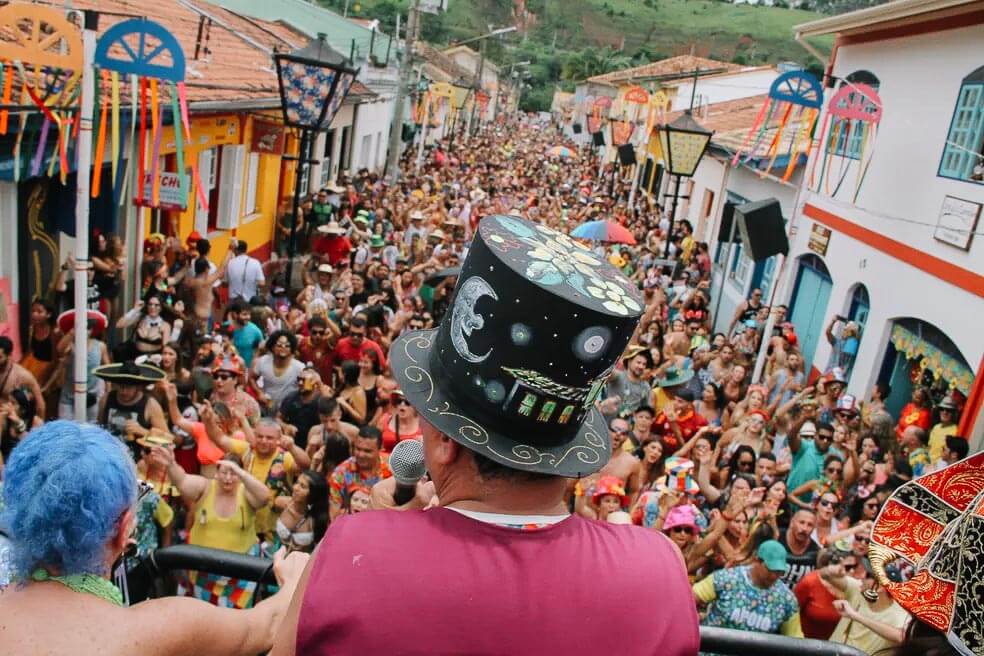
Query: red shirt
x: 818, y: 617
x: 336, y: 247
x: 496, y: 590
x: 320, y: 357
x: 690, y: 422
x: 346, y: 350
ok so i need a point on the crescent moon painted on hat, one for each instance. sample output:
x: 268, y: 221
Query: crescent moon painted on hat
x: 464, y: 319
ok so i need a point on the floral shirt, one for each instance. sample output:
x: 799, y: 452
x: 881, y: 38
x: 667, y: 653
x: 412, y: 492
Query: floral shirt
x: 346, y: 478
x: 152, y: 512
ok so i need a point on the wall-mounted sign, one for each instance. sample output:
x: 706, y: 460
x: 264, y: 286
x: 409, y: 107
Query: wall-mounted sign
x: 957, y: 222
x: 170, y: 197
x: 819, y: 239
x: 267, y: 138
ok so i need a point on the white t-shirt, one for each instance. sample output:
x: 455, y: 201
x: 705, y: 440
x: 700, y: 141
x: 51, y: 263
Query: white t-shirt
x: 278, y: 387
x: 244, y: 275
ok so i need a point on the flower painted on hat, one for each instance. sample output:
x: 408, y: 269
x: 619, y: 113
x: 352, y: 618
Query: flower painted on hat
x: 614, y: 297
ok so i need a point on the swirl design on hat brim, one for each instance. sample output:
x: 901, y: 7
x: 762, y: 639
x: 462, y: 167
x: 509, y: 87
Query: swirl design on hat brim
x: 472, y: 433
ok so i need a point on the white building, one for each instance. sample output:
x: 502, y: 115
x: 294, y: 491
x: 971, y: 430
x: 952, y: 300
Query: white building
x: 478, y: 65
x: 718, y: 182
x: 895, y: 222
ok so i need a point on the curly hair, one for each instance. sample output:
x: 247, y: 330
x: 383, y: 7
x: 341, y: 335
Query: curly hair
x: 66, y: 486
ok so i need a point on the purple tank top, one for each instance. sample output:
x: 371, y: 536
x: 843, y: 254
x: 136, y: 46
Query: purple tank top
x: 437, y: 582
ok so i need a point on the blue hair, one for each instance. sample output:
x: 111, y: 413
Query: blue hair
x: 66, y: 486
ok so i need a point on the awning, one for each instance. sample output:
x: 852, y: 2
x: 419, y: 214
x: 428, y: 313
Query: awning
x: 942, y: 365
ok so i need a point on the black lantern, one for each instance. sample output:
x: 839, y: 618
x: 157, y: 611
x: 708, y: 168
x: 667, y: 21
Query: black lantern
x: 683, y: 143
x: 313, y: 84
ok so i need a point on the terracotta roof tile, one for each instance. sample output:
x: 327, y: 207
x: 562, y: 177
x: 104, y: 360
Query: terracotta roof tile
x: 436, y: 58
x: 732, y: 120
x: 233, y: 60
x: 663, y: 68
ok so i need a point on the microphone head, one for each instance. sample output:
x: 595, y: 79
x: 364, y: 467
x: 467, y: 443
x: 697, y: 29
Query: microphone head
x: 407, y: 462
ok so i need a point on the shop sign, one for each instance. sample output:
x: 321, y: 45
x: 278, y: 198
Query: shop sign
x: 267, y: 138
x: 957, y: 222
x: 169, y: 194
x: 819, y: 239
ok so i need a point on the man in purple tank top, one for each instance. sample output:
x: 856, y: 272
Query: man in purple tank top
x: 506, y: 390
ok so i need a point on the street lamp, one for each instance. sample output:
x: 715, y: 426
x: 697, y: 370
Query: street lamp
x: 683, y: 143
x: 313, y: 84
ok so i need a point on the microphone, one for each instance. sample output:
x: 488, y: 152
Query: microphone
x: 407, y: 464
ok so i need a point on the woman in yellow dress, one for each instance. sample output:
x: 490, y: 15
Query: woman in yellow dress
x: 224, y: 510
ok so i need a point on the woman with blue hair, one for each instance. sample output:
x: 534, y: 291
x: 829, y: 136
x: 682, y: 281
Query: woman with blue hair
x: 70, y: 492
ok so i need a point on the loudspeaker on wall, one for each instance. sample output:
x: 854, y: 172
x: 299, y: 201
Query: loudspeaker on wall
x: 762, y: 229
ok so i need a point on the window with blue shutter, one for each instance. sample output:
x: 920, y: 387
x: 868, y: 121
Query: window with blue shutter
x: 845, y: 136
x: 963, y: 153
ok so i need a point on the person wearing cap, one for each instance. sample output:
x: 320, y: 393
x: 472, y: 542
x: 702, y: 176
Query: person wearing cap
x: 506, y: 390
x: 809, y: 454
x: 843, y: 345
x: 949, y: 413
x: 868, y: 618
x: 752, y: 597
x: 677, y: 422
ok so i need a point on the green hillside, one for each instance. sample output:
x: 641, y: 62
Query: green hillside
x: 568, y: 40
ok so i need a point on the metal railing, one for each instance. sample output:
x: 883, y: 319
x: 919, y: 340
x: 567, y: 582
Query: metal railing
x: 727, y: 642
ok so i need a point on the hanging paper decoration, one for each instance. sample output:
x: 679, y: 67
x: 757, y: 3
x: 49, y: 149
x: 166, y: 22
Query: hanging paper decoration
x: 152, y: 58
x: 784, y: 124
x: 622, y: 132
x: 43, y: 51
x: 637, y: 95
x: 659, y: 104
x: 852, y: 121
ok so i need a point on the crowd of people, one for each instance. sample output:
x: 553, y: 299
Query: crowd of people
x: 257, y: 401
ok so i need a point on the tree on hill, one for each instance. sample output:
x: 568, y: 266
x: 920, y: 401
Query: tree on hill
x: 593, y: 61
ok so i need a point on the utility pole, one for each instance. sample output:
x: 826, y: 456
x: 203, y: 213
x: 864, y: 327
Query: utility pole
x: 406, y: 66
x: 82, y: 262
x: 478, y: 87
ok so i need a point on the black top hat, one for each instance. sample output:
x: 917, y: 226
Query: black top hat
x: 129, y: 373
x: 537, y: 325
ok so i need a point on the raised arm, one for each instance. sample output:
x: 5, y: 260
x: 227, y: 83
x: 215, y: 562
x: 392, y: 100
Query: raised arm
x: 257, y: 494
x: 191, y: 486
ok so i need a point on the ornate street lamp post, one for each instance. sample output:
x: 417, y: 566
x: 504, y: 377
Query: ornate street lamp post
x: 313, y: 84
x: 683, y: 143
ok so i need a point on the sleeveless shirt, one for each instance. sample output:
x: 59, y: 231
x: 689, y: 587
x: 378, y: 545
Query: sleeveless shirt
x: 438, y: 582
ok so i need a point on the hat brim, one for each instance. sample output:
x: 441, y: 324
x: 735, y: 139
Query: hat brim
x: 66, y: 320
x: 587, y: 452
x: 330, y: 230
x: 144, y: 375
x: 676, y: 381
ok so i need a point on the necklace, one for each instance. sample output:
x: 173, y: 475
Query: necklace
x: 84, y: 583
